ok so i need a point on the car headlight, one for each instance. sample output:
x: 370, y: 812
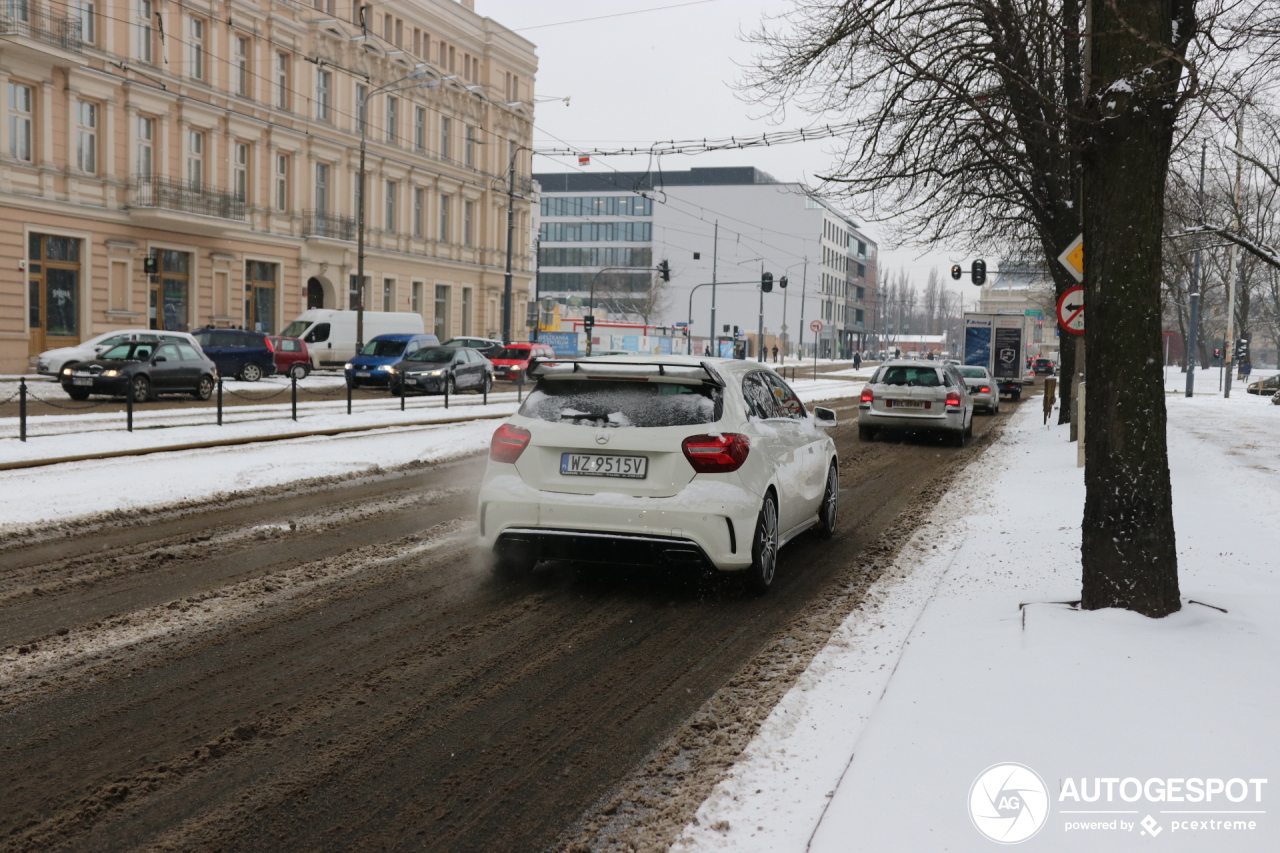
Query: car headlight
x: 348, y: 366
x: 110, y: 373
x: 387, y: 368
x: 434, y: 372
x: 66, y: 371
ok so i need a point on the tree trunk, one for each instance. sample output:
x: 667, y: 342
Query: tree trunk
x: 1128, y: 552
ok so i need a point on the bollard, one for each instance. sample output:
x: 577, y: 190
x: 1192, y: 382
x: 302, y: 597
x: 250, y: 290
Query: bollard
x: 520, y: 387
x: 219, y: 401
x: 446, y: 392
x: 293, y: 390
x: 348, y: 398
x: 403, y: 385
x: 485, y: 389
x: 22, y: 409
x: 128, y: 406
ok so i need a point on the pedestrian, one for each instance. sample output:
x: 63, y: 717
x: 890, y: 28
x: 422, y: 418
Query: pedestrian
x: 1246, y: 368
x: 857, y: 360
x: 706, y: 351
x: 775, y: 355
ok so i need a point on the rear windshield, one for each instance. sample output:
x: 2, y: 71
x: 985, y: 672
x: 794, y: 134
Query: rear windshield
x: 433, y: 355
x: 918, y: 377
x: 623, y: 403
x: 973, y: 372
x: 514, y: 352
x: 383, y: 348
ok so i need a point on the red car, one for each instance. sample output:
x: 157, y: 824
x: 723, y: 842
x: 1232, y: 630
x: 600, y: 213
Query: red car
x: 292, y: 357
x: 512, y: 361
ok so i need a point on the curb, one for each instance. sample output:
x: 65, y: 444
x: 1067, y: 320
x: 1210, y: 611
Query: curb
x: 200, y: 445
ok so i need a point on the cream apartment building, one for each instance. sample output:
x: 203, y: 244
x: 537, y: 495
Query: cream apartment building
x: 176, y: 165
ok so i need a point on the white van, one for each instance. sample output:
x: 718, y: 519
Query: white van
x: 331, y: 335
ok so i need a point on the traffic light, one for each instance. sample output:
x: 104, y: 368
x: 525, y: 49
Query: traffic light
x: 956, y: 271
x: 782, y: 282
x: 664, y: 270
x: 151, y: 265
x: 979, y: 272
x: 766, y: 282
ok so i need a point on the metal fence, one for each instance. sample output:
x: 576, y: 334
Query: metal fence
x: 152, y: 191
x: 316, y: 223
x: 22, y: 18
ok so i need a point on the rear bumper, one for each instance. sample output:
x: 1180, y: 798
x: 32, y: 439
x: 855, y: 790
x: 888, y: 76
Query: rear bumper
x: 709, y: 521
x: 947, y: 421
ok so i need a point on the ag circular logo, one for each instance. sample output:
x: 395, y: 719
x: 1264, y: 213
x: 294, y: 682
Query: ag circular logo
x: 1008, y: 803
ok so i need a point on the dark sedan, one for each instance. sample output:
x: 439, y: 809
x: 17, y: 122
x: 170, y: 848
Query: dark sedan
x: 432, y: 370
x: 143, y: 370
x: 1267, y: 386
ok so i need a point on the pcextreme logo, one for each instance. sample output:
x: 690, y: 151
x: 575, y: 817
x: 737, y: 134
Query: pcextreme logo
x: 1008, y: 803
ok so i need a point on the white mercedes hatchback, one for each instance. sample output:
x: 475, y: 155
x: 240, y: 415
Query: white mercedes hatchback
x: 671, y: 460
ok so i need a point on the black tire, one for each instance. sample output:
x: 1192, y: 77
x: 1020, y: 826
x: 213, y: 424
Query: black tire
x: 764, y: 547
x: 78, y: 394
x: 957, y: 437
x: 828, y: 513
x: 352, y: 384
x: 487, y: 385
x: 866, y: 433
x: 140, y: 389
x: 968, y: 430
x: 453, y: 386
x: 251, y: 372
x: 299, y: 371
x: 204, y: 390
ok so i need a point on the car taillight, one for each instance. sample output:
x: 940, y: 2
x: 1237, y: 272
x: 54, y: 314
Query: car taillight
x: 508, y: 443
x: 717, y: 454
x: 270, y: 348
x: 867, y: 396
x: 983, y: 390
x: 953, y: 398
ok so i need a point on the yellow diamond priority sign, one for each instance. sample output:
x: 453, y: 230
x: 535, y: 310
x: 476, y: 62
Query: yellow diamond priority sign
x: 1073, y: 258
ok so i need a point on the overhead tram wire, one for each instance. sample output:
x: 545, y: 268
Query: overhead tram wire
x: 703, y: 146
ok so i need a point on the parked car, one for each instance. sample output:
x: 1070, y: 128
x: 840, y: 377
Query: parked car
x: 913, y: 396
x: 238, y: 353
x: 331, y: 335
x: 291, y: 356
x: 376, y: 362
x: 982, y: 386
x: 51, y: 362
x: 1268, y: 385
x: 488, y: 347
x: 671, y: 460
x: 143, y: 370
x: 512, y: 362
x: 431, y: 370
x: 1044, y: 367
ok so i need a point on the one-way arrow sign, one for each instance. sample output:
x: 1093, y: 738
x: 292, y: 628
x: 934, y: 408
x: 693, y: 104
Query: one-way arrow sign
x: 1071, y: 310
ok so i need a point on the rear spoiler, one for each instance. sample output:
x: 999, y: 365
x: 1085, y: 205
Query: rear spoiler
x: 537, y: 364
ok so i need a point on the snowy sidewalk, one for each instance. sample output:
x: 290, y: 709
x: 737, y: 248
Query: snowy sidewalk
x: 881, y: 744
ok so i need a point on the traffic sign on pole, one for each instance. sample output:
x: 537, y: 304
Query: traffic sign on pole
x: 1072, y: 258
x: 1071, y: 311
x: 815, y: 326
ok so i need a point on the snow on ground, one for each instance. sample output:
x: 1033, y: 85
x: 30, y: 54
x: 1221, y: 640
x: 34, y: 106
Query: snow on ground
x: 66, y: 491
x: 879, y: 745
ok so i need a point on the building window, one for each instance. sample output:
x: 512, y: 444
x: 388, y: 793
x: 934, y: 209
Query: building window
x: 325, y: 6
x: 324, y: 80
x: 362, y: 106
x: 355, y: 292
x: 241, y: 171
x: 242, y: 66
x: 282, y: 81
x: 444, y: 219
x: 393, y: 107
x: 260, y: 296
x: 441, y: 327
x: 469, y: 147
x: 386, y: 27
x: 20, y: 105
x: 389, y: 214
x: 388, y: 294
x: 468, y: 210
x: 86, y: 17
x: 419, y: 210
x: 195, y: 159
x: 446, y: 131
x: 87, y: 137
x: 146, y: 146
x: 466, y: 310
x: 195, y: 48
x: 862, y: 293
x: 399, y: 33
x: 415, y: 297
x: 144, y: 32
x: 282, y: 182
x: 53, y: 282
x: 597, y: 205
x: 322, y: 188
x: 420, y: 128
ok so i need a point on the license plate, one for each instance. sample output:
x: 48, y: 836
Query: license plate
x: 600, y: 465
x: 82, y: 380
x: 906, y: 404
x: 363, y: 373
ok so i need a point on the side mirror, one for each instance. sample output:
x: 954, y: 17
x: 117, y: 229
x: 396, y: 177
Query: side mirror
x: 158, y: 359
x: 824, y: 416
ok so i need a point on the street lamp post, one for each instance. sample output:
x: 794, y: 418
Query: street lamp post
x: 362, y: 118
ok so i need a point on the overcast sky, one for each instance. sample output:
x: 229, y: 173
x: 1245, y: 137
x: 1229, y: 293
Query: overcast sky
x: 668, y: 74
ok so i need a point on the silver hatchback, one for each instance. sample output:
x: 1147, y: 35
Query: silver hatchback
x: 914, y: 396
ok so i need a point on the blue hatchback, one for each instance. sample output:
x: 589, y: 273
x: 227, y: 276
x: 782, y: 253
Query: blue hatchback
x: 374, y: 363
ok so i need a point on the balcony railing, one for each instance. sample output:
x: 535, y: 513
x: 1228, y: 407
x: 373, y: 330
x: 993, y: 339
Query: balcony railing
x: 188, y: 198
x: 317, y: 223
x: 23, y: 18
